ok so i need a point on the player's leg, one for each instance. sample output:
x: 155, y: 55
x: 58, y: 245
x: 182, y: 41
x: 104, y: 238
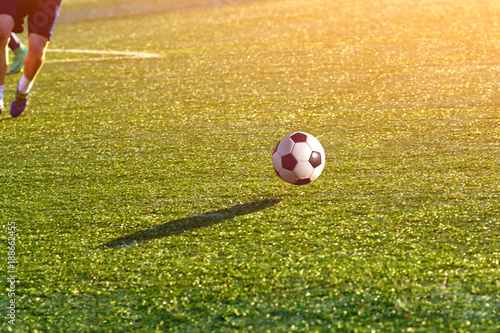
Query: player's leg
x: 37, y: 45
x: 6, y: 26
x: 41, y: 22
x: 20, y: 52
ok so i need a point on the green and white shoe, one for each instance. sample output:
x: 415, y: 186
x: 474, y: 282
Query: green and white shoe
x: 18, y: 61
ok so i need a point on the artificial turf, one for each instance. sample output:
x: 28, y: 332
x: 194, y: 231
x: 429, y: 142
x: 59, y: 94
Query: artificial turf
x: 145, y: 199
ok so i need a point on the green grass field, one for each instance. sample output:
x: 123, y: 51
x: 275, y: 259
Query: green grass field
x: 145, y: 199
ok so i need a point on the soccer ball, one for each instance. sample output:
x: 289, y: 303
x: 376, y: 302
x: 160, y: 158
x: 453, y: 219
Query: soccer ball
x: 298, y: 158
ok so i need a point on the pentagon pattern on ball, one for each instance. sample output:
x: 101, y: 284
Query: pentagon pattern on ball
x: 315, y: 159
x: 288, y: 162
x: 299, y: 137
x: 298, y: 158
x: 303, y: 181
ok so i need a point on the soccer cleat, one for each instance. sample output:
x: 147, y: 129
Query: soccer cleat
x: 18, y: 61
x: 18, y: 104
x: 1, y: 106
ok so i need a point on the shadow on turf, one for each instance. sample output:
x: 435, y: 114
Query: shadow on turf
x: 190, y: 223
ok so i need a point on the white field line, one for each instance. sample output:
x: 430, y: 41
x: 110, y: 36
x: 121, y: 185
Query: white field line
x: 117, y: 55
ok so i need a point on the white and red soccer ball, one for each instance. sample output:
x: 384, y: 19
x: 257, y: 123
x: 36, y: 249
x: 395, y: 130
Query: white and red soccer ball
x: 298, y: 158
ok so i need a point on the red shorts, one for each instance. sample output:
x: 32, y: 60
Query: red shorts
x: 42, y: 15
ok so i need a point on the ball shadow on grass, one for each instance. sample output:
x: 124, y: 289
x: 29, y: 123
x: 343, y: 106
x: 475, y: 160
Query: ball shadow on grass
x: 190, y: 223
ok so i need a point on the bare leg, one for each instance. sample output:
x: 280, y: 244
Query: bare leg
x: 6, y: 26
x: 37, y: 45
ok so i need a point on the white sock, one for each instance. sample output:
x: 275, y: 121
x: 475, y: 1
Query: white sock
x: 24, y: 85
x: 1, y: 93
